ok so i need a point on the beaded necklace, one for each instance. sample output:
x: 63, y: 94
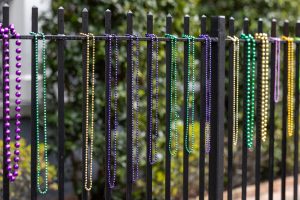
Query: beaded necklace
x: 89, y: 128
x: 44, y: 93
x: 191, y: 50
x: 235, y: 103
x: 264, y: 82
x: 290, y: 85
x: 151, y: 160
x: 173, y: 108
x: 12, y: 172
x: 112, y: 181
x: 250, y: 86
x: 135, y: 109
x: 207, y: 90
x: 276, y: 68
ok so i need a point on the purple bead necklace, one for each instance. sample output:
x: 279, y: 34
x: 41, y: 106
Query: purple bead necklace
x: 113, y: 181
x: 135, y: 106
x: 153, y: 38
x: 207, y: 90
x: 277, y: 69
x: 12, y: 172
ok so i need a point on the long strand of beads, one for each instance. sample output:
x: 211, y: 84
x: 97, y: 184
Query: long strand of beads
x: 235, y: 103
x: 88, y: 182
x: 12, y: 172
x: 135, y: 110
x: 264, y: 77
x: 173, y: 108
x: 44, y: 93
x: 207, y: 90
x: 250, y: 86
x: 151, y: 160
x: 290, y: 85
x: 191, y: 64
x: 113, y: 180
x: 276, y: 69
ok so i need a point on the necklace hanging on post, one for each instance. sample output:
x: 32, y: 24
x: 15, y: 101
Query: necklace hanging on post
x: 250, y: 87
x: 191, y: 64
x: 276, y: 68
x: 151, y: 160
x: 89, y: 131
x: 12, y: 170
x: 173, y: 87
x: 44, y: 99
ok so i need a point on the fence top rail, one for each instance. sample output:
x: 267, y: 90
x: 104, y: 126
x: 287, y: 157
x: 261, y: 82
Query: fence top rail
x: 125, y: 38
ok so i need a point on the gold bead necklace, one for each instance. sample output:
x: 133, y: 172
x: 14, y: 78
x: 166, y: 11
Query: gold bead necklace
x: 290, y: 85
x: 264, y: 83
x: 88, y: 179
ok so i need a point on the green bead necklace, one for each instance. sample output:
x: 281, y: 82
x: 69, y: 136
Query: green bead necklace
x: 45, y: 180
x: 250, y: 86
x: 191, y: 64
x: 173, y: 107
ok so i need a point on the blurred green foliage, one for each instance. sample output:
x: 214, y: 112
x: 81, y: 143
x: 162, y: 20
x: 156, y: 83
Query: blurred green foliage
x: 267, y: 9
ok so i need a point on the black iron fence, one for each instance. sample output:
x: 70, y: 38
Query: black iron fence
x: 216, y: 156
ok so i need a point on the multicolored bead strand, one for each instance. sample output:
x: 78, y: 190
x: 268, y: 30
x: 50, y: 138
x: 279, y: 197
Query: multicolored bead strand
x: 207, y: 40
x: 250, y: 87
x: 290, y: 85
x: 44, y: 93
x: 116, y: 124
x: 276, y: 68
x: 235, y: 104
x: 12, y: 172
x: 173, y: 88
x: 191, y: 64
x: 135, y: 106
x: 154, y: 38
x: 89, y: 128
x: 264, y: 83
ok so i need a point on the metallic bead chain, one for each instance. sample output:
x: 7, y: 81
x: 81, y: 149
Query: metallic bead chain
x: 88, y: 167
x: 173, y: 108
x: 235, y: 103
x: 277, y: 69
x: 135, y: 110
x: 191, y: 64
x: 44, y: 112
x: 12, y: 169
x: 264, y: 82
x: 290, y: 85
x: 207, y: 91
x: 250, y: 87
x: 112, y: 181
x: 154, y: 38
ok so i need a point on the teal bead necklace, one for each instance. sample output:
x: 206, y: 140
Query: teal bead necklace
x: 250, y: 86
x: 173, y: 107
x: 191, y: 64
x: 45, y: 180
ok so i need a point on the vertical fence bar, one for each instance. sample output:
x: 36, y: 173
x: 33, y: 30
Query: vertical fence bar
x: 149, y: 110
x: 202, y: 114
x: 168, y: 114
x: 258, y: 109
x: 34, y: 28
x: 129, y: 109
x: 244, y: 147
x: 230, y: 110
x: 85, y: 24
x: 61, y: 120
x: 284, y: 111
x: 216, y: 155
x: 107, y: 94
x: 296, y: 133
x: 5, y: 173
x: 185, y: 112
x: 272, y: 111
